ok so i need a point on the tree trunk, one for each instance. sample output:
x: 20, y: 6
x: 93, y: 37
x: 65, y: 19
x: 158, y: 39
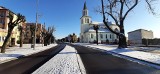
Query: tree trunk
x: 45, y: 41
x: 21, y: 38
x: 122, y: 38
x: 122, y: 42
x: 97, y: 36
x: 6, y: 41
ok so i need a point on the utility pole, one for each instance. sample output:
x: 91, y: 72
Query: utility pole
x: 36, y: 25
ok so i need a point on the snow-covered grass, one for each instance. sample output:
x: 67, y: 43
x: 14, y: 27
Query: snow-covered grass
x: 66, y: 62
x: 145, y: 56
x: 15, y: 52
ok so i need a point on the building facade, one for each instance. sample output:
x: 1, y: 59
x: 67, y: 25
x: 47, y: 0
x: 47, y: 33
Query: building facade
x: 88, y: 34
x: 135, y: 37
x: 28, y: 32
x: 4, y: 20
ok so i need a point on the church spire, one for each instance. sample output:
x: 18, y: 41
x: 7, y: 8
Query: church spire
x: 85, y: 10
x: 85, y: 7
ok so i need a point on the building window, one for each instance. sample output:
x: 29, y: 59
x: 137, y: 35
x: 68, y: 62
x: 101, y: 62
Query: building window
x: 110, y: 36
x: 87, y: 20
x: 101, y: 35
x: 2, y: 14
x: 3, y: 38
x: 2, y: 21
x: 106, y: 35
x: 91, y: 35
x: 0, y: 39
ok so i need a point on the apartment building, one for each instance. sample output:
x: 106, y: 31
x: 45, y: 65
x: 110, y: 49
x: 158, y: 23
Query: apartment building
x: 28, y: 32
x: 4, y: 20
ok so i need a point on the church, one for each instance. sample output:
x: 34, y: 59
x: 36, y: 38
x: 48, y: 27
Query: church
x: 88, y: 34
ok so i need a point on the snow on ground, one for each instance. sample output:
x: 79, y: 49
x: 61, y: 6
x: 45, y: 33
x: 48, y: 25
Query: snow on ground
x: 146, y: 56
x: 66, y: 62
x: 15, y: 52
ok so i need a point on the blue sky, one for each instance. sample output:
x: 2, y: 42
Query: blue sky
x: 65, y: 15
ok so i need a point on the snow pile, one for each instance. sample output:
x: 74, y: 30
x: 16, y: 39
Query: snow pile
x: 146, y: 56
x: 15, y: 52
x: 66, y: 62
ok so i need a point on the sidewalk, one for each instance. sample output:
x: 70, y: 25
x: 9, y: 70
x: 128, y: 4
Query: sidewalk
x: 65, y: 62
x: 13, y: 53
x: 150, y: 59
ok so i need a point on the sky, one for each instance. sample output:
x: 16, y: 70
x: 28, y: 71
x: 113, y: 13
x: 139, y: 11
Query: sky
x: 65, y: 15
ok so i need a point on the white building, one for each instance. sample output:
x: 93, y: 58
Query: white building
x: 135, y: 37
x: 88, y: 34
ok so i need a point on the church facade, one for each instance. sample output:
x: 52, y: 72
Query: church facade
x: 88, y: 34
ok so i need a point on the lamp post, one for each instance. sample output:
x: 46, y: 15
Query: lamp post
x: 36, y: 25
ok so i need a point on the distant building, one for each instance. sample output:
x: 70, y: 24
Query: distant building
x: 27, y: 35
x: 88, y: 34
x: 135, y: 37
x: 4, y: 20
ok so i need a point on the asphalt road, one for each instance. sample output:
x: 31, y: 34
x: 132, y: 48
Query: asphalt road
x: 28, y: 64
x: 98, y: 62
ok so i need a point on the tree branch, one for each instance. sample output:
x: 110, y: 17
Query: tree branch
x: 104, y: 20
x: 136, y: 2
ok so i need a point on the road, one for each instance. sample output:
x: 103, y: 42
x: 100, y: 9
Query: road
x: 98, y: 62
x: 28, y: 64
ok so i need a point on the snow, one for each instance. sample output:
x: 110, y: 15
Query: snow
x: 66, y: 62
x: 127, y: 53
x: 15, y: 52
x: 99, y: 30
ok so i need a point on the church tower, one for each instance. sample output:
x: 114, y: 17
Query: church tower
x: 85, y: 19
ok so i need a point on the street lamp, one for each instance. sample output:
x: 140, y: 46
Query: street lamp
x: 36, y: 25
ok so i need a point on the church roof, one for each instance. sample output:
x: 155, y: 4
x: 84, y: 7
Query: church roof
x: 85, y: 7
x: 99, y: 30
x: 101, y: 23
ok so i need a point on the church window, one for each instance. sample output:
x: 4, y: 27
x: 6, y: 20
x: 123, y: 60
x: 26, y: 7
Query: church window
x: 106, y: 35
x: 87, y: 20
x: 85, y: 13
x: 101, y: 35
x: 110, y: 36
x: 91, y: 35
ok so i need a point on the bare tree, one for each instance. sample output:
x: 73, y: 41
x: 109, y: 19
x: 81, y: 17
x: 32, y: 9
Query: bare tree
x: 96, y: 29
x: 48, y: 35
x: 12, y: 23
x: 118, y: 11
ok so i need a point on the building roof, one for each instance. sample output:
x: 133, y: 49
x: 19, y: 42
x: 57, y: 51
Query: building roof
x: 99, y: 30
x: 101, y: 23
x: 140, y: 30
x: 1, y: 7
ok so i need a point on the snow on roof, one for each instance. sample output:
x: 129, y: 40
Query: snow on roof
x: 101, y: 23
x: 99, y: 30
